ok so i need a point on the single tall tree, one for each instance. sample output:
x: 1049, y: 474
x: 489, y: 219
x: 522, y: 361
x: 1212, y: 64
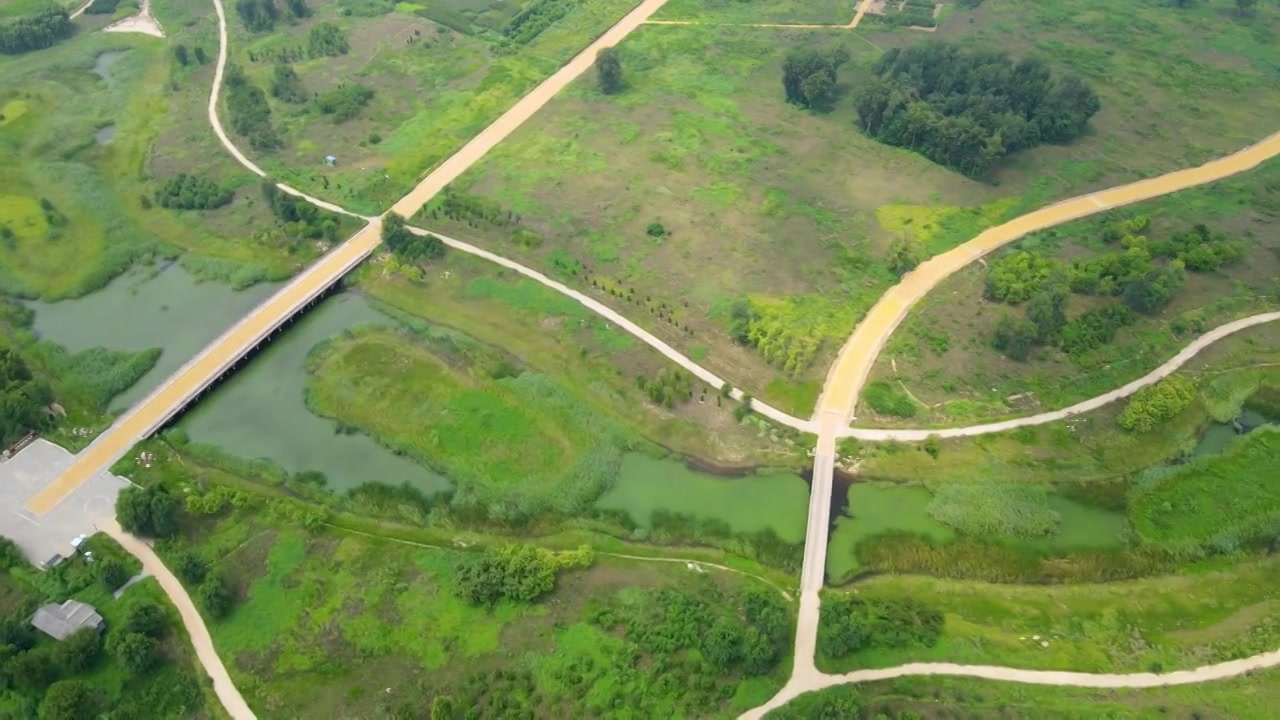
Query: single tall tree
x: 609, y: 68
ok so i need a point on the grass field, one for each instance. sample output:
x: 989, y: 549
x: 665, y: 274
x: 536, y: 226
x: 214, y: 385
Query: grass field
x: 942, y: 355
x: 95, y: 126
x: 555, y: 336
x: 440, y: 72
x: 326, y: 623
x: 1215, y: 614
x: 505, y: 438
x: 1249, y: 697
x: 175, y: 688
x: 835, y: 12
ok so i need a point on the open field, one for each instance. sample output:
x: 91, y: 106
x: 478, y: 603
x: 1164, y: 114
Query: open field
x: 699, y: 165
x: 1248, y: 697
x: 312, y: 630
x: 1218, y: 612
x: 173, y: 688
x: 943, y: 361
x: 835, y: 12
x: 439, y: 72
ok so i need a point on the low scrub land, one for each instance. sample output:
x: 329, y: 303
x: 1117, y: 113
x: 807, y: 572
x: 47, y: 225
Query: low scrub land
x: 1249, y: 696
x: 700, y: 162
x: 141, y: 666
x: 1212, y: 613
x: 1079, y: 310
x: 323, y: 622
x: 833, y: 12
x: 389, y: 89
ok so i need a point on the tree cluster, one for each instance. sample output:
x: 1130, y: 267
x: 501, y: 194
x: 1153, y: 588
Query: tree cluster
x: 23, y: 399
x: 407, y: 245
x: 301, y: 219
x: 326, y: 40
x: 35, y: 32
x: 286, y: 85
x: 1144, y: 273
x: 250, y: 113
x: 850, y: 624
x: 190, y: 192
x: 809, y: 76
x: 148, y: 512
x: 609, y: 70
x: 515, y: 573
x: 668, y: 388
x: 344, y: 102
x: 262, y: 15
x: 1155, y: 403
x: 968, y: 109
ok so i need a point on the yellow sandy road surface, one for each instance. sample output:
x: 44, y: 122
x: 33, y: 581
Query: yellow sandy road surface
x: 847, y: 375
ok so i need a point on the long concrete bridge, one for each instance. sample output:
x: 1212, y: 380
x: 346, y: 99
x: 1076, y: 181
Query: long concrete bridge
x: 219, y: 357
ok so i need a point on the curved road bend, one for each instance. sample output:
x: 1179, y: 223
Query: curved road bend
x: 230, y: 698
x: 846, y: 377
x: 1177, y: 361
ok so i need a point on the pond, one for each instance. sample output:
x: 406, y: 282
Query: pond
x: 102, y: 64
x: 105, y: 134
x: 875, y: 508
x: 145, y: 309
x: 1215, y: 438
x: 260, y: 411
x: 779, y: 501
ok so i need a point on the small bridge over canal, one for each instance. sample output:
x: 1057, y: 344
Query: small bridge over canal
x: 191, y: 380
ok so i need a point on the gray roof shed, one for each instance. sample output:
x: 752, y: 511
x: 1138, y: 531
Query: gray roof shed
x: 59, y: 621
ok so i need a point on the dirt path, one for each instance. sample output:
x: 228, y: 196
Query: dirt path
x: 80, y: 10
x: 1177, y: 361
x: 144, y: 22
x: 230, y: 698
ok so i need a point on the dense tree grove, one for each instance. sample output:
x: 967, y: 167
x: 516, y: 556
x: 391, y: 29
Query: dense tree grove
x: 344, y: 102
x: 149, y: 512
x: 850, y: 623
x: 35, y: 32
x: 516, y: 573
x: 809, y: 76
x: 189, y: 192
x: 286, y: 85
x: 23, y: 399
x: 258, y: 15
x: 301, y: 218
x: 1155, y: 403
x: 609, y: 70
x: 326, y: 40
x: 407, y: 245
x: 967, y: 109
x: 249, y: 111
x: 1143, y: 273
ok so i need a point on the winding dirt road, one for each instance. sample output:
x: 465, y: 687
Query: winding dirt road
x: 840, y: 392
x: 226, y: 690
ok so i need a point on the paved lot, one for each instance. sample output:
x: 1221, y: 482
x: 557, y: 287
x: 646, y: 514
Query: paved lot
x: 30, y: 471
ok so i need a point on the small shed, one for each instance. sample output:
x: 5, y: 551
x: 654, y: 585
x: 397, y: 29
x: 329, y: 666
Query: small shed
x: 330, y: 160
x: 60, y: 621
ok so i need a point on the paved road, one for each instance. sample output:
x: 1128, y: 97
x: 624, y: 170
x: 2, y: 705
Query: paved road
x: 230, y: 698
x: 1177, y: 361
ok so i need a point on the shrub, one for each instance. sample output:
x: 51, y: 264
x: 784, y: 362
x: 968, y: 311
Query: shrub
x: 69, y: 700
x: 136, y: 652
x: 518, y: 573
x: 286, y: 85
x: 79, y: 651
x: 326, y: 40
x: 35, y: 32
x: 111, y: 574
x: 850, y: 624
x: 1156, y: 403
x: 345, y: 102
x: 1015, y: 278
x: 215, y: 596
x: 146, y: 618
x: 149, y: 512
x: 188, y: 192
x: 881, y: 397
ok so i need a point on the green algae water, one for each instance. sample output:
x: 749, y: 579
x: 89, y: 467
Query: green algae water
x: 143, y: 309
x: 778, y: 501
x: 260, y: 412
